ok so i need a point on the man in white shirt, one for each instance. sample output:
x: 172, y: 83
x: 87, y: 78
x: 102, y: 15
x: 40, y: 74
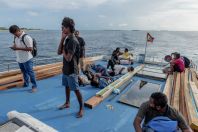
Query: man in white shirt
x: 24, y: 55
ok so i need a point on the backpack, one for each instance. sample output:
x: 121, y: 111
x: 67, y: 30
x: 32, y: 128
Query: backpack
x: 186, y: 62
x: 77, y: 52
x: 34, y: 50
x: 162, y: 124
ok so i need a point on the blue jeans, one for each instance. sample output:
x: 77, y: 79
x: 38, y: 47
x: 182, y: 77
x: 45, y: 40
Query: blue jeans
x: 27, y: 70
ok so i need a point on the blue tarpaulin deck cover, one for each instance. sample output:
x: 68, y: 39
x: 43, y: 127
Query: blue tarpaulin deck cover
x: 43, y: 105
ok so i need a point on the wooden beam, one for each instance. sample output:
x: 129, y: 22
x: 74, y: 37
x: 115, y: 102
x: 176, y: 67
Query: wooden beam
x: 19, y: 77
x: 11, y: 85
x: 11, y: 79
x: 173, y: 89
x: 93, y: 101
x: 194, y: 92
x: 182, y: 103
x: 168, y: 87
x: 38, y: 77
x: 18, y: 71
x: 39, y: 67
x: 176, y: 92
x: 14, y: 78
x: 116, y: 84
x: 194, y: 77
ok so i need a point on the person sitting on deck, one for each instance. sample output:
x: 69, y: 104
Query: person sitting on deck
x: 118, y: 69
x: 97, y: 80
x: 159, y: 116
x: 83, y: 80
x: 114, y: 58
x: 126, y: 57
x: 176, y: 63
x: 99, y: 69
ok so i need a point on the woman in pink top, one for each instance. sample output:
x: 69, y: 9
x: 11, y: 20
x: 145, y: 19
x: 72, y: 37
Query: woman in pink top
x: 177, y: 64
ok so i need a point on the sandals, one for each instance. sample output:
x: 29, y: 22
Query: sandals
x: 64, y: 106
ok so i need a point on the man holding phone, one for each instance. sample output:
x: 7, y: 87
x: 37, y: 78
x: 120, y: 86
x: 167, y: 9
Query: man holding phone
x: 69, y: 47
x: 24, y: 55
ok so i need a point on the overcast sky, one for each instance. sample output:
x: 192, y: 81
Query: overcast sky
x: 102, y: 14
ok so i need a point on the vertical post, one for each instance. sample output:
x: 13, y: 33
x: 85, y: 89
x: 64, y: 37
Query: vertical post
x: 145, y: 50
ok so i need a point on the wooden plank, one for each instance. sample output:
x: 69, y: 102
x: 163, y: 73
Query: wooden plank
x: 14, y: 79
x: 38, y: 77
x: 18, y: 71
x: 173, y: 88
x: 186, y: 98
x: 93, y: 101
x: 182, y: 104
x: 11, y: 85
x: 39, y: 67
x: 194, y: 77
x: 20, y: 76
x: 116, y: 84
x: 191, y: 110
x: 11, y: 79
x: 176, y: 92
x: 168, y: 87
x: 194, y: 92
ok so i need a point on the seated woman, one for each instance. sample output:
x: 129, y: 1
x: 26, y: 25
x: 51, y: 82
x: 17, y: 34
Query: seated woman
x: 114, y: 58
x: 126, y: 57
x: 176, y: 63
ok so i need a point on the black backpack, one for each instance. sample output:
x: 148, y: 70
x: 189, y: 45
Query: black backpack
x: 186, y: 62
x: 34, y: 51
x: 77, y: 53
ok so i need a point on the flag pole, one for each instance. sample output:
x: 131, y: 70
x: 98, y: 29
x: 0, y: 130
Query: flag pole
x: 145, y: 50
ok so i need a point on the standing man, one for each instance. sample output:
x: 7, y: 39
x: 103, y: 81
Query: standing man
x: 159, y: 116
x: 82, y: 50
x: 23, y: 45
x: 70, y: 50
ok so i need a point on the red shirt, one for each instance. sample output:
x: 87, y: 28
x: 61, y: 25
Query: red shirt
x: 179, y: 63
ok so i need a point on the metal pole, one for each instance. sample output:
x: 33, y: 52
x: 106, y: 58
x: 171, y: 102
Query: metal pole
x: 145, y: 50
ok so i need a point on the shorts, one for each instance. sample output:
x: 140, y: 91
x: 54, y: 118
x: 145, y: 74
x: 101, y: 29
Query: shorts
x: 70, y: 81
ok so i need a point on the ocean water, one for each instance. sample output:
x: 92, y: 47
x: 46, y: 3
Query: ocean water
x: 105, y: 41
